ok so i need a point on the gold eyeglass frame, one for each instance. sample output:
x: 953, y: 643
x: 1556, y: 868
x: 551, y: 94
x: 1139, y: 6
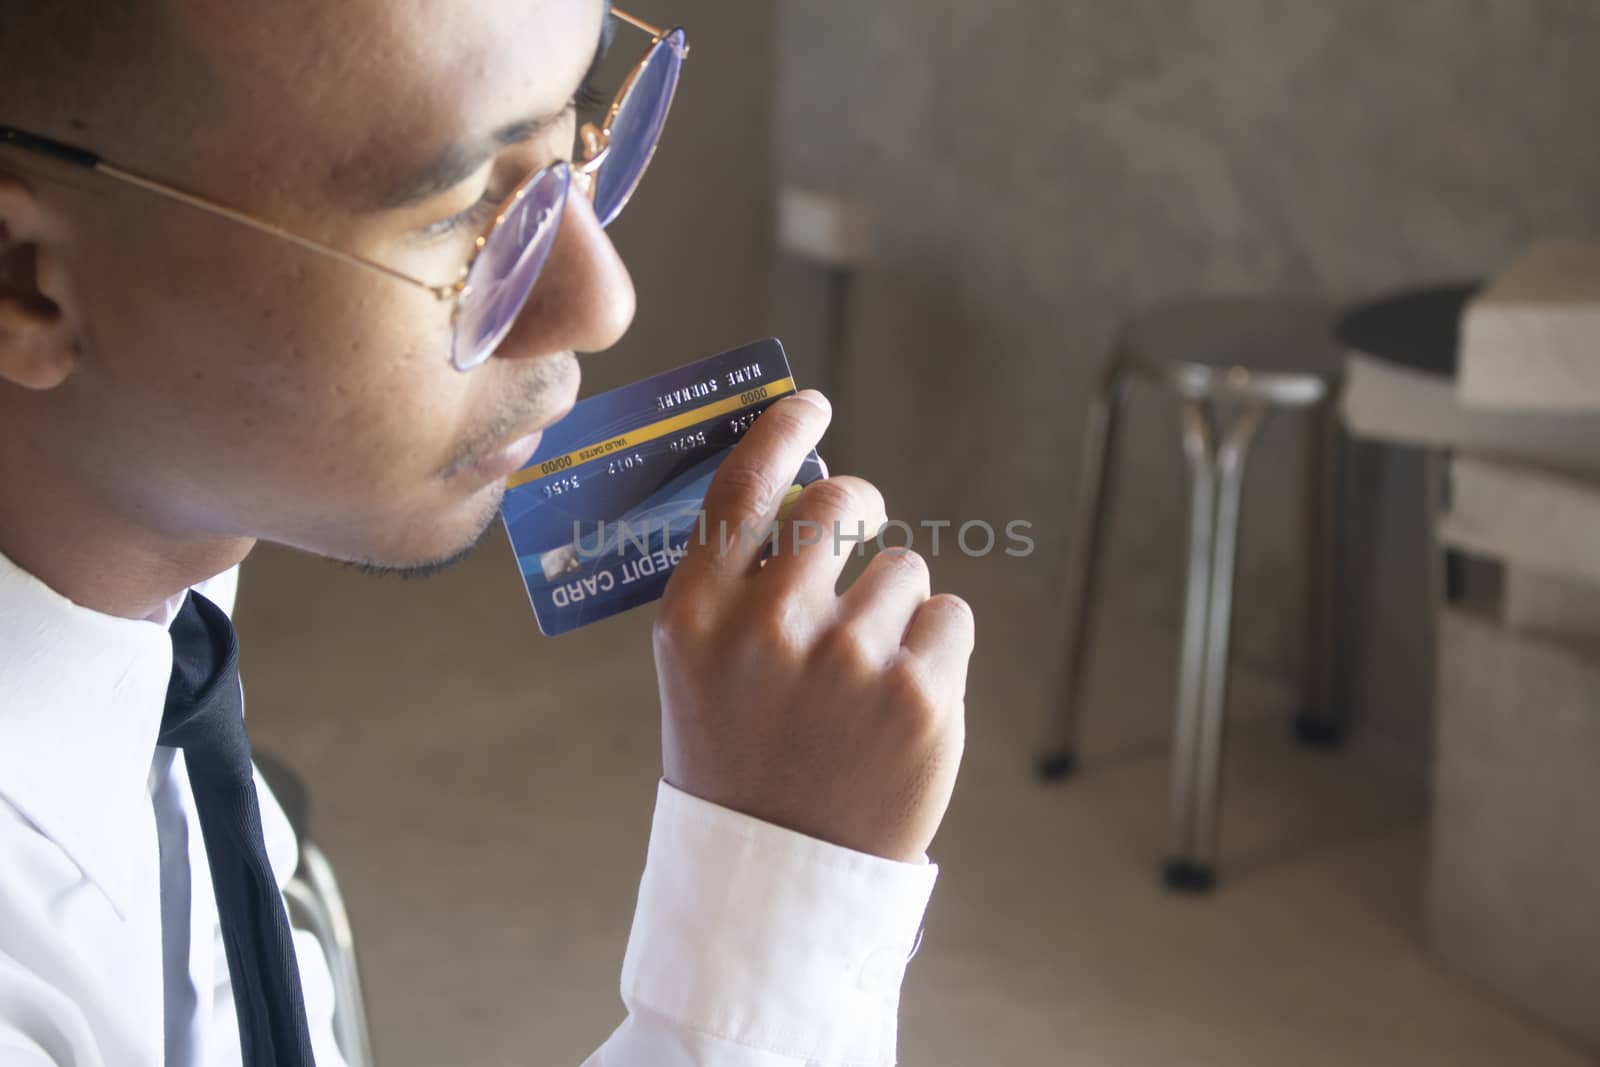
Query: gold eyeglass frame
x: 594, y: 141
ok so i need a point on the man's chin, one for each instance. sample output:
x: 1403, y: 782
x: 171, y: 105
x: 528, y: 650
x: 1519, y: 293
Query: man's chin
x: 408, y: 562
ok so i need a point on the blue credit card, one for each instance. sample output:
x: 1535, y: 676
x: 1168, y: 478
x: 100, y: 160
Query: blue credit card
x: 601, y: 515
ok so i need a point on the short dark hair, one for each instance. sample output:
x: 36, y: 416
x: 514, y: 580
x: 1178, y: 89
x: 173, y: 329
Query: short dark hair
x: 66, y: 65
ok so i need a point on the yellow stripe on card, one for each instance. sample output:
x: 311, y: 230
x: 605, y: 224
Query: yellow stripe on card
x: 654, y: 431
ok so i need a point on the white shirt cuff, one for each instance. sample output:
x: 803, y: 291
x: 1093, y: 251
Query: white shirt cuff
x: 758, y: 935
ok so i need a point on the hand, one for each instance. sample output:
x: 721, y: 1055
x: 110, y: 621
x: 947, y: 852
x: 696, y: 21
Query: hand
x: 841, y: 717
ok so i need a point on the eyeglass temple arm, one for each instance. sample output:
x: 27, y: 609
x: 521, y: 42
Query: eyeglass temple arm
x: 87, y: 160
x: 639, y: 24
x: 44, y: 146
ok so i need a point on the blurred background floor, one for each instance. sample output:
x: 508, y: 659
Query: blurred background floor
x: 485, y: 795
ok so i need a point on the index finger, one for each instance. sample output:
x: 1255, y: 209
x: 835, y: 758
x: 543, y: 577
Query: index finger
x: 747, y: 490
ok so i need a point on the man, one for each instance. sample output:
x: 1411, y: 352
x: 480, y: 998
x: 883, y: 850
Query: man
x: 200, y: 349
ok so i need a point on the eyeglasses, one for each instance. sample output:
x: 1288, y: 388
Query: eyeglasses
x: 499, y: 276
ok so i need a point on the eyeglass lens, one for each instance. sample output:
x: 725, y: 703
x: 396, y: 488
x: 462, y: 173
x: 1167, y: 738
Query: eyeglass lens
x: 507, y: 269
x: 503, y: 275
x: 636, y: 130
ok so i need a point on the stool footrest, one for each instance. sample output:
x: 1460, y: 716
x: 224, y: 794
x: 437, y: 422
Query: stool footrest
x: 1314, y: 732
x: 1186, y: 876
x: 1057, y: 766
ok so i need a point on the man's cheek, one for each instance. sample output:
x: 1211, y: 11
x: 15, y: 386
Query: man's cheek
x: 389, y: 448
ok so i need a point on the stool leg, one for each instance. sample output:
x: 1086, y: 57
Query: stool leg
x: 316, y: 889
x: 1059, y: 758
x: 1232, y: 460
x: 1194, y: 868
x: 1199, y: 450
x: 1320, y: 723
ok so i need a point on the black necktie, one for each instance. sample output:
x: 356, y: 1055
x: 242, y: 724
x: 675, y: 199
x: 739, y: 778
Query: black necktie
x: 205, y: 718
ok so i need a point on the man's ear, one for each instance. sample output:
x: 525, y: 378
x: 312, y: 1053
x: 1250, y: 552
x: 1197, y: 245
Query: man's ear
x: 38, y: 343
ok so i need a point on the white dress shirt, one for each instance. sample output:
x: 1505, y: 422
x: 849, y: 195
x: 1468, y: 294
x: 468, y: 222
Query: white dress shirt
x: 751, y: 947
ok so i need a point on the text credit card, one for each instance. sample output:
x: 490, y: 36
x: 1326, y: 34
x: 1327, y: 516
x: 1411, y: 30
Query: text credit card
x: 601, y: 515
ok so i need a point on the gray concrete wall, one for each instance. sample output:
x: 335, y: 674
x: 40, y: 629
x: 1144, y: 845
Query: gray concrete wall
x: 1041, y: 169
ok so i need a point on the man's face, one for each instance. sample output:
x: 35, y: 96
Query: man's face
x: 230, y: 384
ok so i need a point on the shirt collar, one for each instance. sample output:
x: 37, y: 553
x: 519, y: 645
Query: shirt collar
x: 81, y: 700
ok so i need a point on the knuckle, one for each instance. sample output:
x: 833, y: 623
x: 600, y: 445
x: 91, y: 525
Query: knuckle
x: 750, y: 481
x: 791, y: 420
x: 743, y: 489
x: 845, y: 650
x: 775, y: 631
x: 912, y: 692
x: 864, y: 496
x: 953, y: 613
x: 683, y: 623
x: 830, y: 498
x: 874, y: 496
x: 908, y: 565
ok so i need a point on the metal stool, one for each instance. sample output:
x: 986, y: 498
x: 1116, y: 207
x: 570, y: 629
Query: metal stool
x: 1231, y: 362
x: 315, y: 904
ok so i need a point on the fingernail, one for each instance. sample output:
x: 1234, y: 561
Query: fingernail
x: 816, y: 400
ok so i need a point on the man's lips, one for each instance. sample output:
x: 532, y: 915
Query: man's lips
x: 504, y: 461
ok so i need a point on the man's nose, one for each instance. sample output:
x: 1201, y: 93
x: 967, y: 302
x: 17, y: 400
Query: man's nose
x: 584, y: 299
